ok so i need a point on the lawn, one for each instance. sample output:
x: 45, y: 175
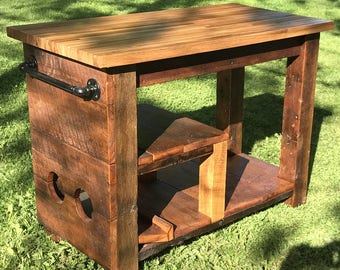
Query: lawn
x: 281, y: 237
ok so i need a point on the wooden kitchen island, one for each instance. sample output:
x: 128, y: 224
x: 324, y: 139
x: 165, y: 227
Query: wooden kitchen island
x: 121, y: 181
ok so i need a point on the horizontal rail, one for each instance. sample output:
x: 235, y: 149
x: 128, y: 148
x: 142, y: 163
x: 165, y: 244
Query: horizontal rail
x: 90, y: 92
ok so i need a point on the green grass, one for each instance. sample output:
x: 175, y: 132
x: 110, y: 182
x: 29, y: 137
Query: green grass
x: 307, y: 237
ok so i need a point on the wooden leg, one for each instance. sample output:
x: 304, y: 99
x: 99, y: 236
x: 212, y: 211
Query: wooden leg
x: 212, y: 183
x: 298, y: 117
x: 123, y: 121
x: 229, y: 106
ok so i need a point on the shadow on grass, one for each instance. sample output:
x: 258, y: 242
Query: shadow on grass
x: 318, y: 258
x: 15, y: 114
x: 65, y: 9
x: 299, y: 257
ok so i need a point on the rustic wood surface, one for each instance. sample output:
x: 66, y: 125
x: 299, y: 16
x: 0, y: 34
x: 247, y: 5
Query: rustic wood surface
x: 184, y: 135
x: 212, y: 182
x: 122, y: 40
x: 229, y: 106
x: 165, y: 138
x: 86, y: 147
x: 251, y: 186
x: 298, y: 118
x: 92, y: 146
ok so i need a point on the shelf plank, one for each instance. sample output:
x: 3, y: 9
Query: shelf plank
x: 252, y: 185
x: 184, y: 135
x: 165, y: 138
x: 158, y: 198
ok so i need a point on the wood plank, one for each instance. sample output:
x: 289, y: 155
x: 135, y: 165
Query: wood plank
x: 252, y: 185
x: 169, y: 139
x: 146, y: 163
x: 298, y: 118
x: 229, y: 106
x: 177, y: 33
x: 151, y: 123
x: 212, y: 182
x: 68, y: 118
x: 93, y: 237
x: 75, y: 170
x: 249, y: 180
x: 184, y: 135
x: 151, y: 249
x: 199, y: 64
x: 69, y: 71
x: 122, y: 122
x: 158, y: 198
x: 122, y: 40
x: 56, y: 113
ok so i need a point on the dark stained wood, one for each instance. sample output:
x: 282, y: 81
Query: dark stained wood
x: 71, y: 72
x: 298, y: 118
x: 146, y: 163
x: 149, y: 250
x: 152, y: 121
x: 229, y: 106
x: 200, y: 64
x: 61, y: 115
x: 79, y: 142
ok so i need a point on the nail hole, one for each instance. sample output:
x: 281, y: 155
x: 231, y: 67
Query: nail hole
x: 84, y: 204
x: 55, y: 187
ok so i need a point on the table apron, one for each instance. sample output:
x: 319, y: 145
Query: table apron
x: 199, y: 64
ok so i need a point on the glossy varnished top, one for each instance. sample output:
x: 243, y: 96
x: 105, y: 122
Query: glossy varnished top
x: 135, y: 38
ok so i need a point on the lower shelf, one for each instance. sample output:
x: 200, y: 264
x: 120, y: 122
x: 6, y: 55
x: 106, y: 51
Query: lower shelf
x: 252, y: 185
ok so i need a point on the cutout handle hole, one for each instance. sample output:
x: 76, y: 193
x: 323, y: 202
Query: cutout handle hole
x: 84, y: 204
x: 55, y: 187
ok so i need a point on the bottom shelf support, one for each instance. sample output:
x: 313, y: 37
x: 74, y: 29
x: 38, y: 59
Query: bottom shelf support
x: 212, y: 182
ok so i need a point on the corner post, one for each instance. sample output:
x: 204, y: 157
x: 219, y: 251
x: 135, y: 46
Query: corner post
x: 298, y: 118
x: 122, y: 121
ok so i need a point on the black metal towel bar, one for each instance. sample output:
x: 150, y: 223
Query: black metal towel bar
x: 90, y: 92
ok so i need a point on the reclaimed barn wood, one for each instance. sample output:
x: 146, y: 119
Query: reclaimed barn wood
x: 123, y: 40
x: 229, y: 106
x: 297, y: 118
x: 122, y: 181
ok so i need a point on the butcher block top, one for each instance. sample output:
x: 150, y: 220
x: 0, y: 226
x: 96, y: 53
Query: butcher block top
x: 120, y: 40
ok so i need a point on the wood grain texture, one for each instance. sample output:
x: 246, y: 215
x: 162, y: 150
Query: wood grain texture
x: 298, y: 118
x: 168, y: 138
x: 61, y: 115
x: 215, y: 61
x: 184, y: 135
x: 169, y: 203
x: 122, y: 121
x: 159, y: 231
x: 229, y: 106
x: 92, y: 237
x: 252, y: 185
x: 75, y: 170
x: 123, y: 40
x: 212, y: 182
